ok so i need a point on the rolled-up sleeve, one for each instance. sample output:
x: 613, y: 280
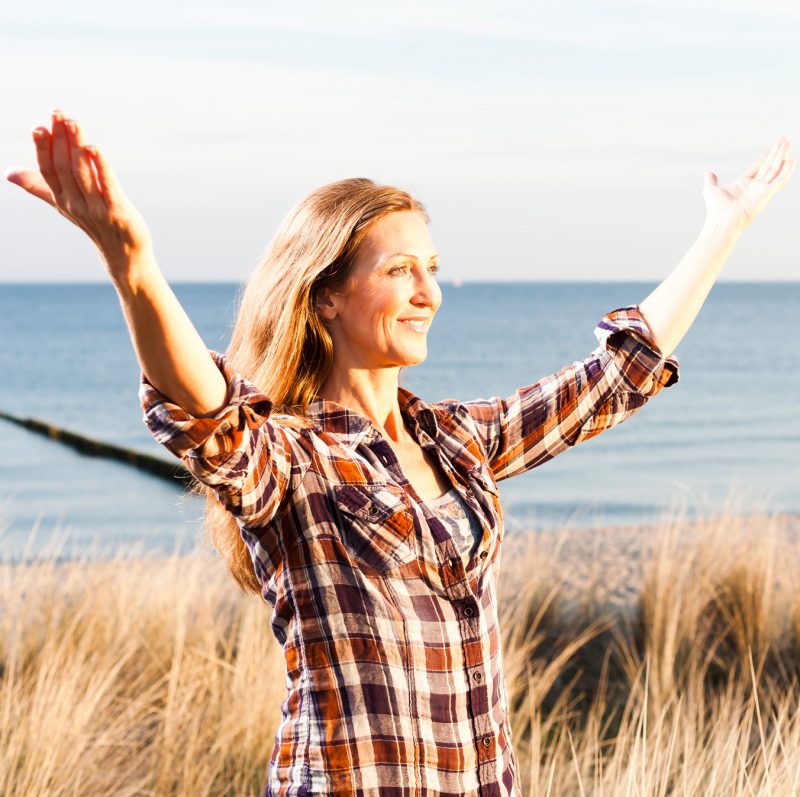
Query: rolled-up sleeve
x: 539, y: 421
x: 238, y: 451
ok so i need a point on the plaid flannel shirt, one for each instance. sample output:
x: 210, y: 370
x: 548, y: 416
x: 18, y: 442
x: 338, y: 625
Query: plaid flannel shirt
x: 394, y: 671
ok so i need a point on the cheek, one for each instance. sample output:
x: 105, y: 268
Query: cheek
x: 385, y: 307
x: 374, y: 314
x: 373, y: 320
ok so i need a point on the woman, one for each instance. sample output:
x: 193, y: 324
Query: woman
x: 367, y: 518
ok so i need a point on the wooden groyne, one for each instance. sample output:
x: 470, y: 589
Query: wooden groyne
x: 96, y: 448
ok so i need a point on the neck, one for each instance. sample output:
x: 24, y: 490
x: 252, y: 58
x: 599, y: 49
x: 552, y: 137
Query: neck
x: 371, y: 393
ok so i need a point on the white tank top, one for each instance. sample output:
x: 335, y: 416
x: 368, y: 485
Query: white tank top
x: 460, y: 521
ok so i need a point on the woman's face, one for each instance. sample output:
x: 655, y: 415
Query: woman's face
x: 392, y: 284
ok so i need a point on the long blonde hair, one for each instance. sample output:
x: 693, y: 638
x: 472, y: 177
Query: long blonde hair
x: 278, y: 341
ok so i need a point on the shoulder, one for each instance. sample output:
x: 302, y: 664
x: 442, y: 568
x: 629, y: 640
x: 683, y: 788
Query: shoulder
x: 459, y: 431
x: 451, y: 412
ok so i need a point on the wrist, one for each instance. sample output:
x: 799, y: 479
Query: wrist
x: 723, y: 228
x: 132, y: 270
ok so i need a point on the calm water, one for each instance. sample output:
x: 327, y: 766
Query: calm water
x: 729, y: 430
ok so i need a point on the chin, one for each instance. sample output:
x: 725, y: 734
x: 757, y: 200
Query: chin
x: 407, y: 355
x: 411, y: 359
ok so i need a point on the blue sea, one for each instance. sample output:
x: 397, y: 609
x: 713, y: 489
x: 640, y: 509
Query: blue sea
x: 727, y: 436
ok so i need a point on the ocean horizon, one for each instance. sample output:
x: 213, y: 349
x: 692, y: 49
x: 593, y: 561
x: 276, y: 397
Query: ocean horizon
x: 727, y: 433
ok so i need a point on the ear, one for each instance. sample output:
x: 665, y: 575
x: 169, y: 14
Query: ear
x: 326, y: 304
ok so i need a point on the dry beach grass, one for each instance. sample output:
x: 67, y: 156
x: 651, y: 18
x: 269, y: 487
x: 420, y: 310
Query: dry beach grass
x: 155, y: 676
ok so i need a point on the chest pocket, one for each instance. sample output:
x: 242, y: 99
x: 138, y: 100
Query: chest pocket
x: 378, y: 525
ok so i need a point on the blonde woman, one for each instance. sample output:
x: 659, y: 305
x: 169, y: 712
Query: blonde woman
x: 366, y: 517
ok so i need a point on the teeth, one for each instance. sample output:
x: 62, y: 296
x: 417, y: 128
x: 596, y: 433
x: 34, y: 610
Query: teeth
x: 418, y: 326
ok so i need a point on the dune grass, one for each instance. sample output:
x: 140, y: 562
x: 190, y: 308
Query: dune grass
x: 141, y: 675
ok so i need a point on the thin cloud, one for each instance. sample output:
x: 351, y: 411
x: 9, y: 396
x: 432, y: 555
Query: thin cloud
x: 576, y: 24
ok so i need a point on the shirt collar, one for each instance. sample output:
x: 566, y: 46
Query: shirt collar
x: 351, y: 427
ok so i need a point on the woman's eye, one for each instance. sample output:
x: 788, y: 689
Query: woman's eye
x: 433, y: 269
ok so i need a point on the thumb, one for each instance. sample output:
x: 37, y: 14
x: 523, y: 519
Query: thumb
x: 31, y: 181
x: 710, y: 179
x: 14, y: 174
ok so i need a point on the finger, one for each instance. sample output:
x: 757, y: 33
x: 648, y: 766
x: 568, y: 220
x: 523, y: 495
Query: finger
x: 109, y: 185
x: 768, y: 161
x: 786, y: 172
x: 44, y: 155
x: 780, y: 159
x: 783, y: 177
x: 752, y: 171
x: 32, y: 182
x: 71, y: 194
x: 82, y: 169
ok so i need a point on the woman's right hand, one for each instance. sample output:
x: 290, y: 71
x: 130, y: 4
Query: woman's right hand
x: 78, y: 181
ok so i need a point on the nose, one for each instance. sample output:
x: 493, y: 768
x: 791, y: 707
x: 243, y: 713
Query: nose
x: 427, y: 291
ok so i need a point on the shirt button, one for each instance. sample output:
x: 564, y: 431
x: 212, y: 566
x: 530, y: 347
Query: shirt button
x: 478, y: 676
x: 484, y: 554
x: 453, y: 563
x: 487, y: 741
x: 373, y: 510
x: 468, y: 610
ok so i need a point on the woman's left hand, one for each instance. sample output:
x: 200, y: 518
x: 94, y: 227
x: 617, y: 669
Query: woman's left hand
x: 742, y: 200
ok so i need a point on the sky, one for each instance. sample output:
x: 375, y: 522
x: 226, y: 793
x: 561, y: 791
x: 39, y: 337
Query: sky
x: 547, y: 141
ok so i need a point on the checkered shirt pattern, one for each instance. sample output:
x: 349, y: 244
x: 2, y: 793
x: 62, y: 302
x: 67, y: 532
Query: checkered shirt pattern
x: 394, y: 669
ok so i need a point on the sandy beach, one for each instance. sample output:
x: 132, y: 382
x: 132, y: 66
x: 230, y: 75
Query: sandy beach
x: 605, y: 565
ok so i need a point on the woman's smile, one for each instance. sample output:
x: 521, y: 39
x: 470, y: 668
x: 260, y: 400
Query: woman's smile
x: 419, y: 326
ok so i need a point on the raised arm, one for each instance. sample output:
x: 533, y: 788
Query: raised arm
x: 194, y: 402
x: 77, y: 180
x: 634, y: 359
x: 673, y: 306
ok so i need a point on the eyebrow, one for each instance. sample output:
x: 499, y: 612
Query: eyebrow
x: 413, y: 257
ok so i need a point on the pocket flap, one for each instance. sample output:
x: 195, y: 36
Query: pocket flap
x: 372, y: 503
x: 381, y: 531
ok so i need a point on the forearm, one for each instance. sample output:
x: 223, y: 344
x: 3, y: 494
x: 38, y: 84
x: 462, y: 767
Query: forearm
x: 672, y: 307
x: 170, y: 350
